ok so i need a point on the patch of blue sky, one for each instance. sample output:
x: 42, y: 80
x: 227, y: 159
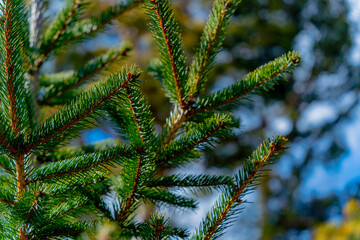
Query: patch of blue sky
x: 324, y: 180
x: 95, y: 135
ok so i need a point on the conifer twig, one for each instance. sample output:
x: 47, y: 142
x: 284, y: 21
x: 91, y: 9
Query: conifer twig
x: 123, y: 213
x: 261, y: 79
x: 238, y: 193
x: 202, y: 140
x: 107, y: 90
x: 6, y: 144
x: 9, y: 65
x: 167, y: 34
x: 210, y: 44
x: 190, y: 181
x: 137, y: 121
x: 141, y: 122
x: 87, y: 27
x: 7, y: 202
x: 78, y: 164
x: 89, y: 70
x: 33, y: 204
x: 212, y: 225
x: 51, y: 43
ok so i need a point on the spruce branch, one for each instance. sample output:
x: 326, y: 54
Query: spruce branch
x: 66, y: 230
x: 7, y: 164
x: 9, y: 144
x: 140, y: 122
x: 5, y: 145
x: 90, y: 26
x: 67, y: 207
x: 159, y: 227
x: 46, y: 212
x: 200, y: 138
x: 167, y: 34
x: 134, y: 119
x: 262, y: 79
x: 73, y: 151
x: 210, y: 44
x: 50, y: 39
x: 126, y: 208
x: 34, y: 205
x: 7, y: 191
x: 76, y: 115
x: 13, y: 39
x: 92, y: 161
x: 182, y: 181
x: 214, y: 224
x: 72, y: 183
x: 163, y: 197
x: 62, y: 83
x: 95, y: 196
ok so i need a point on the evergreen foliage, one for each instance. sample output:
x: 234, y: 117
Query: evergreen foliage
x: 47, y: 187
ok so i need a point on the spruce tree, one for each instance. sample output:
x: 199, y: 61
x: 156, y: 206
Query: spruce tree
x: 47, y: 186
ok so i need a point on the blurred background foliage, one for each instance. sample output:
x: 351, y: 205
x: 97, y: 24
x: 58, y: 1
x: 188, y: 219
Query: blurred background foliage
x: 309, y: 193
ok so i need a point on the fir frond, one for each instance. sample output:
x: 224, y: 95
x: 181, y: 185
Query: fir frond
x: 7, y: 164
x: 131, y: 181
x: 13, y: 92
x: 51, y: 38
x: 75, y: 182
x: 217, y: 220
x: 96, y: 198
x: 262, y: 79
x: 210, y: 44
x: 66, y: 207
x: 74, y: 151
x: 134, y: 118
x: 7, y: 190
x: 90, y: 26
x: 92, y: 161
x: 182, y: 181
x: 200, y: 138
x: 42, y: 211
x: 9, y: 144
x: 159, y: 227
x: 63, y: 82
x: 75, y: 116
x: 167, y: 34
x: 66, y: 230
x: 162, y: 197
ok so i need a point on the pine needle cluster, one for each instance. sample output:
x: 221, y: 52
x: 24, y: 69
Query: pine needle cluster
x: 49, y: 190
